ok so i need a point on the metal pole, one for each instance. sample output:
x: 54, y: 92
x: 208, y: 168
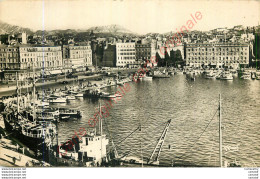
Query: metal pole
x: 17, y: 90
x: 220, y: 133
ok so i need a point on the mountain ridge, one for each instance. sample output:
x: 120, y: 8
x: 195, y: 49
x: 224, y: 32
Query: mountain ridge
x: 112, y: 29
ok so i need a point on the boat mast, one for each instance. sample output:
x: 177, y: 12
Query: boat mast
x: 100, y: 112
x: 141, y: 143
x: 220, y: 133
x: 17, y: 90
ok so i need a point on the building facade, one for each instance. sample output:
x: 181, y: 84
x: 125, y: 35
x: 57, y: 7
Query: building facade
x: 9, y: 58
x: 109, y: 56
x: 77, y: 56
x: 125, y: 54
x: 144, y: 51
x: 230, y: 55
x: 40, y: 57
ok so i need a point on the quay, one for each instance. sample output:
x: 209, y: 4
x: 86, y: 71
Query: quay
x: 52, y: 81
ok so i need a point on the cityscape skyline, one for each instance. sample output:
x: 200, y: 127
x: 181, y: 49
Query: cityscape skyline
x: 38, y: 15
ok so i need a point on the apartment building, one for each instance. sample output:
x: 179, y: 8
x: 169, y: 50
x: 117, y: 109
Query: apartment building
x: 230, y: 55
x: 77, y: 56
x: 9, y: 58
x: 125, y: 54
x: 144, y: 51
x: 40, y: 57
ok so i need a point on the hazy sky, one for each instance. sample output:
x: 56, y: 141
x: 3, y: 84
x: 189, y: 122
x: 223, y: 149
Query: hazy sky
x: 141, y: 16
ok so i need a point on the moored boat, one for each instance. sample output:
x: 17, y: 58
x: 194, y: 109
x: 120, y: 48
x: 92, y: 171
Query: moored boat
x: 226, y: 76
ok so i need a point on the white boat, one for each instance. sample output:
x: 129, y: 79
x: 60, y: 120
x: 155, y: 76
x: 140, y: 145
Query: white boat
x: 120, y: 82
x: 210, y: 75
x: 246, y: 76
x: 70, y: 97
x: 114, y: 96
x: 79, y: 95
x: 104, y: 94
x: 147, y: 78
x: 58, y: 100
x: 253, y: 76
x: 226, y: 76
x: 42, y: 103
x: 159, y: 74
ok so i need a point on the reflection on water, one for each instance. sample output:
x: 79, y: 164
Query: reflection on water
x: 190, y: 105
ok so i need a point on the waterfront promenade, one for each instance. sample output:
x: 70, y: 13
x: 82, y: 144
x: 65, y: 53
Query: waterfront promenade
x: 48, y: 82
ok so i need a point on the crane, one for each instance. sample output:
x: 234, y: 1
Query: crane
x: 154, y: 158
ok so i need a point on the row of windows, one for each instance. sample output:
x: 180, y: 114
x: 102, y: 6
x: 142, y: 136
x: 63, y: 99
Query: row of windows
x: 218, y: 58
x: 143, y: 46
x: 8, y: 50
x: 8, y: 65
x: 80, y: 52
x: 143, y: 53
x: 80, y: 48
x: 39, y: 59
x: 9, y: 55
x: 217, y: 45
x: 126, y: 62
x: 142, y: 50
x: 194, y: 61
x: 122, y: 50
x: 227, y: 53
x: 3, y: 60
x: 80, y: 56
x: 130, y: 58
x: 125, y: 46
x: 217, y: 49
x: 40, y: 54
x: 41, y: 49
x: 126, y: 54
x: 41, y: 64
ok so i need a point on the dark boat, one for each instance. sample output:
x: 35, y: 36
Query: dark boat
x: 32, y: 134
x: 69, y: 112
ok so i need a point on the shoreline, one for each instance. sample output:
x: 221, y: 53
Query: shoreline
x: 12, y: 87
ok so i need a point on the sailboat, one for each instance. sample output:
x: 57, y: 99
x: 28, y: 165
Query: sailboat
x: 31, y: 133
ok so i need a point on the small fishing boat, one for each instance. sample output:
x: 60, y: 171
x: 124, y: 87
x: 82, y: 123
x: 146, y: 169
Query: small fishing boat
x: 104, y: 94
x: 246, y: 76
x: 114, y: 96
x: 159, y: 74
x: 70, y: 97
x: 226, y: 76
x: 69, y: 112
x: 147, y: 78
x: 120, y: 82
x: 211, y: 75
x: 79, y: 95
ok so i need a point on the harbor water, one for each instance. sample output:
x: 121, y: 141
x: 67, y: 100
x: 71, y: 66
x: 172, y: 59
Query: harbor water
x: 191, y: 105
